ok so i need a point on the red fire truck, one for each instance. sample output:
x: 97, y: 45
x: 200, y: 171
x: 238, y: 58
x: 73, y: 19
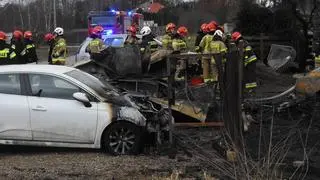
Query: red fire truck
x: 114, y: 22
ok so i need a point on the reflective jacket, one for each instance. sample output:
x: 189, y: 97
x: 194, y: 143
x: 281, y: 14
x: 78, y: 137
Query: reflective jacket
x: 167, y: 41
x: 249, y: 56
x: 148, y: 42
x: 317, y: 61
x: 217, y: 47
x: 51, y: 44
x: 198, y: 40
x: 178, y: 45
x: 95, y: 46
x: 249, y: 70
x: 18, y: 46
x: 29, y: 52
x: 7, y: 54
x: 59, y: 51
x: 205, y: 43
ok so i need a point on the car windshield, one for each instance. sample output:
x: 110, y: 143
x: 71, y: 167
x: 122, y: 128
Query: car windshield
x: 92, y: 82
x: 103, y: 20
x: 114, y: 41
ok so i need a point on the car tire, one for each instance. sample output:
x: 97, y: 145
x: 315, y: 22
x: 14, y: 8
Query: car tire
x: 123, y: 138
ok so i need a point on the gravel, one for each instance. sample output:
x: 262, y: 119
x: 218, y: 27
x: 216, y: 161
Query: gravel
x: 52, y: 163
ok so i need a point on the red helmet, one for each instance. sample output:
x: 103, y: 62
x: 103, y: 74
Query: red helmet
x: 27, y: 35
x: 98, y: 29
x: 235, y: 36
x: 214, y: 22
x: 170, y: 27
x: 17, y: 34
x: 96, y: 32
x: 203, y: 27
x: 211, y: 27
x: 182, y: 31
x: 48, y: 37
x: 132, y: 29
x: 3, y: 36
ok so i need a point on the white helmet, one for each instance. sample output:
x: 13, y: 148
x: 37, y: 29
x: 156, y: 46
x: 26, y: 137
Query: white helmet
x: 218, y: 33
x: 58, y: 31
x: 146, y: 30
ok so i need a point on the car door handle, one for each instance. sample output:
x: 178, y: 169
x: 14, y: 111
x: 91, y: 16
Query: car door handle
x: 39, y: 108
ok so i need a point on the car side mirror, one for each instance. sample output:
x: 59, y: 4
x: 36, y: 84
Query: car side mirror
x: 82, y: 97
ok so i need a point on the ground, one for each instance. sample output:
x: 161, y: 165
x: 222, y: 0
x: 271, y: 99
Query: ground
x: 51, y: 163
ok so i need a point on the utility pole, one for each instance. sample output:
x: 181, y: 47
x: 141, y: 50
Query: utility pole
x: 54, y: 14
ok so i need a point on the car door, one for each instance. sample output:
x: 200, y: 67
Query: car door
x: 14, y: 110
x: 55, y: 115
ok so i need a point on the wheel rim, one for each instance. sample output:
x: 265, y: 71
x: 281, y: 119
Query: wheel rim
x: 122, y: 140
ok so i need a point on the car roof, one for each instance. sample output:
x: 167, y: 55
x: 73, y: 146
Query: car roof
x: 54, y: 69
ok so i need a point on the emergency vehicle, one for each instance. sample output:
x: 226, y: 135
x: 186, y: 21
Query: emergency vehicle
x: 114, y: 22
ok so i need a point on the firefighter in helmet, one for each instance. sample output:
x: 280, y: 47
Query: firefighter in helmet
x: 7, y: 54
x: 18, y: 46
x: 49, y: 39
x: 179, y: 45
x: 249, y: 61
x: 204, y: 47
x: 201, y: 33
x: 148, y: 42
x: 96, y: 45
x: 167, y: 38
x: 59, y: 51
x: 132, y: 36
x: 217, y: 46
x: 29, y: 52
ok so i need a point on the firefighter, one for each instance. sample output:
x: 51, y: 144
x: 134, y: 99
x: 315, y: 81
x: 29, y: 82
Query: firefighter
x: 96, y: 45
x: 317, y: 61
x: 249, y: 61
x: 132, y: 36
x: 7, y: 54
x: 179, y: 45
x: 59, y: 50
x: 148, y: 42
x: 167, y: 38
x: 29, y: 52
x: 49, y: 39
x: 201, y: 33
x: 205, y: 48
x: 18, y: 46
x: 216, y: 46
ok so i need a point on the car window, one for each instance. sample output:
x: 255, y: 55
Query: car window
x: 10, y: 84
x: 114, y: 42
x: 51, y: 87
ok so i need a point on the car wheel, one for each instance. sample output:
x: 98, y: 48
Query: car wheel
x: 123, y: 138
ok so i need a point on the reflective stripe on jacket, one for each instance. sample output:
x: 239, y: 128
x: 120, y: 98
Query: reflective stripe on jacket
x: 249, y: 55
x: 95, y: 46
x: 217, y: 47
x: 6, y: 54
x: 59, y: 51
x: 179, y: 45
x: 205, y: 43
x: 251, y: 85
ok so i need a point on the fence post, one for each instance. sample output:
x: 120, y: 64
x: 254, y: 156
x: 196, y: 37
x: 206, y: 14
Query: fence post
x: 233, y: 94
x: 170, y: 97
x: 261, y: 47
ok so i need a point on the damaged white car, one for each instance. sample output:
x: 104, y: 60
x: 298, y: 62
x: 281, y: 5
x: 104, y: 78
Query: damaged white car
x: 58, y: 106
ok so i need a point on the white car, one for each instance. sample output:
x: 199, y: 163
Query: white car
x: 58, y: 106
